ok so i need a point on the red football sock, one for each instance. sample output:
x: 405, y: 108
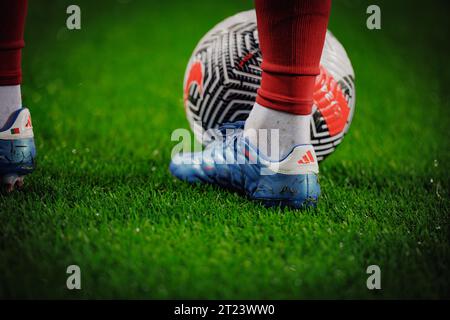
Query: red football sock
x: 12, y: 25
x: 291, y: 35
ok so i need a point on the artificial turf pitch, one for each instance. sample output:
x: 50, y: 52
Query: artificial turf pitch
x: 105, y: 100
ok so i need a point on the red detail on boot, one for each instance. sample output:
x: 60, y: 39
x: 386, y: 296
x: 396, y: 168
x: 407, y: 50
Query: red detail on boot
x: 28, y: 124
x: 306, y: 159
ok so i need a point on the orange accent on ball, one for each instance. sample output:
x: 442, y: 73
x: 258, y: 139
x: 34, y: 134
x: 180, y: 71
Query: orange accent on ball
x: 331, y: 102
x: 195, y: 75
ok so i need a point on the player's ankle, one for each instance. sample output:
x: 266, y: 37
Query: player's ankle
x: 10, y: 101
x: 273, y: 130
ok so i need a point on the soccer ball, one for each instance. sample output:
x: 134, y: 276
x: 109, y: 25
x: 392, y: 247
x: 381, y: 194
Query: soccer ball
x: 224, y: 73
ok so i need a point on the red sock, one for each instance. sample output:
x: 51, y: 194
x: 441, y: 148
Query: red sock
x: 291, y: 35
x: 12, y: 25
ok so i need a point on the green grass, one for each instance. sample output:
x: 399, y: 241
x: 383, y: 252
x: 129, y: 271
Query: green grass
x: 105, y: 101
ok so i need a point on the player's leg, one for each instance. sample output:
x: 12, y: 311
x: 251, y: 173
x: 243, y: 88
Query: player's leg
x: 17, y: 150
x: 292, y: 34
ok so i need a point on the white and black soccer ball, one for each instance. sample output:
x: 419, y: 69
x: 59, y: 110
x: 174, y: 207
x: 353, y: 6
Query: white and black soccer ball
x: 224, y: 73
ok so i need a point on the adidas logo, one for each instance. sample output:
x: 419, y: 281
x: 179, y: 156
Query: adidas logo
x: 306, y: 159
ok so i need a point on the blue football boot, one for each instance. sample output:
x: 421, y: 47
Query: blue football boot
x: 232, y: 162
x: 17, y: 150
